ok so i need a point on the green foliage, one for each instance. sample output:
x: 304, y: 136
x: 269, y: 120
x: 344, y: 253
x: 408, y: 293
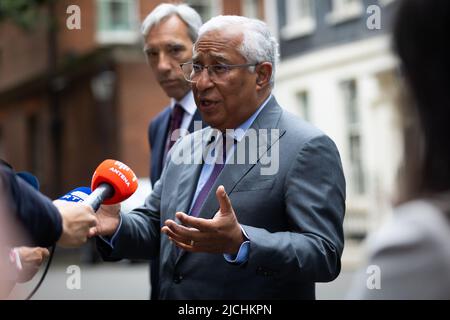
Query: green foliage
x: 22, y: 12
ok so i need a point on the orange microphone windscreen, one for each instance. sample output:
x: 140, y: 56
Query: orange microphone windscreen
x: 119, y: 176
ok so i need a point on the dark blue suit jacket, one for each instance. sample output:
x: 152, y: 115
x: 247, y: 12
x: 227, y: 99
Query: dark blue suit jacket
x: 157, y: 137
x: 37, y: 214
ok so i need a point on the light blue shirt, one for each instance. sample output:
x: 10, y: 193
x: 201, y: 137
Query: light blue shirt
x: 111, y: 240
x: 207, y: 168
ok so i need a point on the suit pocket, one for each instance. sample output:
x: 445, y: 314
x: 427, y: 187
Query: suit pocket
x: 260, y: 184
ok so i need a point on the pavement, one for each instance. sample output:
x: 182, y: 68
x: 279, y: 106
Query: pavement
x: 124, y: 281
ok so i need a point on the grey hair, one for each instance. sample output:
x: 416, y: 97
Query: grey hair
x: 258, y: 44
x: 166, y: 10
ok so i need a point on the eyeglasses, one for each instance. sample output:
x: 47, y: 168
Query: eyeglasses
x: 216, y: 72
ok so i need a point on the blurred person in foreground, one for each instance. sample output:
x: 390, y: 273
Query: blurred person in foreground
x: 249, y: 229
x: 45, y: 222
x: 24, y: 263
x: 169, y: 32
x: 412, y: 251
x: 20, y: 264
x: 9, y: 234
x: 41, y: 223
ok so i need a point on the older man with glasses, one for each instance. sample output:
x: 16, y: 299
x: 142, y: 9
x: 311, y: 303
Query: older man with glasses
x: 230, y: 230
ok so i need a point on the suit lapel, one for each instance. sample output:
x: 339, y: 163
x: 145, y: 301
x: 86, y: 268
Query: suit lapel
x: 190, y: 175
x: 196, y: 117
x: 188, y: 180
x: 233, y: 173
x: 163, y: 131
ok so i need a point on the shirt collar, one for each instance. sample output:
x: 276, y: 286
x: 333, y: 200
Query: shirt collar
x: 187, y: 103
x: 240, y: 131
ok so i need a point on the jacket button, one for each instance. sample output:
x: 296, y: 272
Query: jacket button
x: 177, y: 278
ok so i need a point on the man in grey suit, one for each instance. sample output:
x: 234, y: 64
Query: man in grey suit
x: 268, y: 223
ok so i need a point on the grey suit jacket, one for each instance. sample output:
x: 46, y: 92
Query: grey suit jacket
x: 293, y: 218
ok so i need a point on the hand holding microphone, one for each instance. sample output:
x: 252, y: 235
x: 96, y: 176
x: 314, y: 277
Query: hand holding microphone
x: 112, y: 183
x: 77, y: 217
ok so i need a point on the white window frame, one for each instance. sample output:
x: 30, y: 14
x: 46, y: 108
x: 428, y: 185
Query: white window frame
x: 296, y: 25
x: 304, y: 106
x: 343, y: 12
x: 354, y: 129
x: 271, y: 17
x: 131, y: 36
x: 214, y: 5
x: 250, y: 8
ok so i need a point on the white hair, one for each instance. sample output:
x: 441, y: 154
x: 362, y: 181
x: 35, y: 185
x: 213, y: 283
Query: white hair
x: 166, y: 10
x: 258, y: 44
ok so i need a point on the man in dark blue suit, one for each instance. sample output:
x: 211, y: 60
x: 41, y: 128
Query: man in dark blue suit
x: 158, y: 134
x: 169, y: 32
